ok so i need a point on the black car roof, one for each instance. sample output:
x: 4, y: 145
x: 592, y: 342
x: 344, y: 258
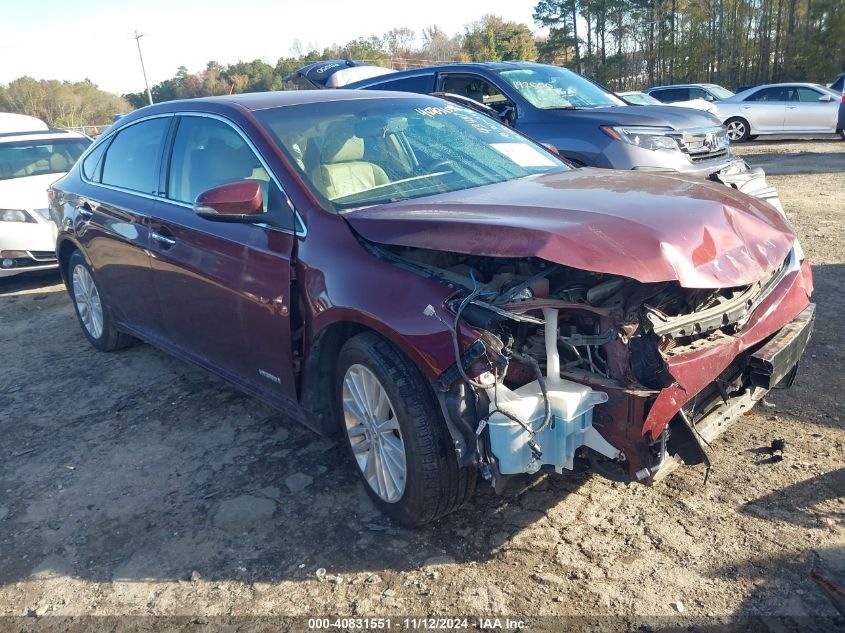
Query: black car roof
x: 492, y: 66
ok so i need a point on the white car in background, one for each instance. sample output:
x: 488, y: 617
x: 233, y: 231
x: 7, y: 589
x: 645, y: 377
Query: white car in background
x: 32, y: 157
x: 635, y: 97
x: 803, y: 109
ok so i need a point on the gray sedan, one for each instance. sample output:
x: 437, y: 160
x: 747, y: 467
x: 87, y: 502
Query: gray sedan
x: 793, y: 108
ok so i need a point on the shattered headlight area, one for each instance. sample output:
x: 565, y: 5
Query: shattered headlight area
x: 558, y: 367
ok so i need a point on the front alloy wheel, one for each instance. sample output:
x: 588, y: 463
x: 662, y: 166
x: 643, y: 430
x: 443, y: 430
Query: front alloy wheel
x: 395, y: 432
x: 374, y: 434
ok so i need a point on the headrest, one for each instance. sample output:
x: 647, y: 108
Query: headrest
x: 341, y: 144
x: 58, y: 163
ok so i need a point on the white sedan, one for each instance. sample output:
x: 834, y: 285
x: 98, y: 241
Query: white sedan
x: 788, y: 108
x: 635, y: 97
x: 29, y: 163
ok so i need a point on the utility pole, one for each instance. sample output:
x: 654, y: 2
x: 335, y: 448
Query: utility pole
x: 138, y: 37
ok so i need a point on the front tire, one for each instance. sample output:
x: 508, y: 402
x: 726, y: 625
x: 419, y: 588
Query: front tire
x: 91, y: 309
x: 396, y: 435
x: 738, y: 129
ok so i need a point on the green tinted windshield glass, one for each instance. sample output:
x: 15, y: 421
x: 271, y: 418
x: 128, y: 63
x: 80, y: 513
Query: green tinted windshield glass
x: 552, y: 87
x: 359, y: 152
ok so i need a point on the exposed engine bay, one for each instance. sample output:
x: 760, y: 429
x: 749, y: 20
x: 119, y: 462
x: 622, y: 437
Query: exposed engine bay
x: 568, y: 362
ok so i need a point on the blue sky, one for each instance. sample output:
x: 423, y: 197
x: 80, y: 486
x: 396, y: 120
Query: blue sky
x: 78, y: 39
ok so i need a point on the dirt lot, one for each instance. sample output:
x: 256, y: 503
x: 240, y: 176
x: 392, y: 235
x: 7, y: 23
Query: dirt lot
x: 131, y: 483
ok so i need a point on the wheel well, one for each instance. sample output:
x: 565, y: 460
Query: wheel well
x: 66, y: 249
x: 319, y: 371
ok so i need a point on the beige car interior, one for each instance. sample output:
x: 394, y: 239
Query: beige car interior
x: 343, y: 170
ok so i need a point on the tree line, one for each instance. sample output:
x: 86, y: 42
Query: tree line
x: 624, y: 44
x: 634, y: 43
x: 61, y: 103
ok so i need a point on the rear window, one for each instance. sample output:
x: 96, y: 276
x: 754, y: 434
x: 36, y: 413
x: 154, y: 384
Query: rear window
x: 20, y: 159
x: 132, y: 158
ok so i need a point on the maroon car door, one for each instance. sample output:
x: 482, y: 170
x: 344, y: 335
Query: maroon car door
x: 224, y: 288
x: 122, y: 176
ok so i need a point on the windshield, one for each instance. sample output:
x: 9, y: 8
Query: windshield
x: 640, y: 98
x: 361, y: 152
x: 719, y: 92
x: 550, y: 87
x: 19, y: 159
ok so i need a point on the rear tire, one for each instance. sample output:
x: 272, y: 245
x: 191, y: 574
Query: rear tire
x: 738, y: 129
x: 841, y: 134
x: 92, y: 309
x: 405, y: 420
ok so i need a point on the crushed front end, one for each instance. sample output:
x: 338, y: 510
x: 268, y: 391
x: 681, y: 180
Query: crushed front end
x: 572, y: 369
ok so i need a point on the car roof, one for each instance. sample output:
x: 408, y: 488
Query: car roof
x: 39, y: 135
x: 15, y: 122
x: 685, y: 86
x: 255, y: 101
x: 457, y: 66
x: 786, y: 84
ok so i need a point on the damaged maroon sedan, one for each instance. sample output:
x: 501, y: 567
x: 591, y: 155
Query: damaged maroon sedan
x: 447, y: 295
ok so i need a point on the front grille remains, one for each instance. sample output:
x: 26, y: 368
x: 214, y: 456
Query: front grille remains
x: 703, y: 144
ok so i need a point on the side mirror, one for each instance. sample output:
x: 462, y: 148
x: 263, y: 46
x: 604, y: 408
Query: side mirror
x: 826, y: 98
x: 237, y: 201
x: 709, y: 98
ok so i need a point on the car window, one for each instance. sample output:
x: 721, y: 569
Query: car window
x: 91, y: 166
x: 208, y: 153
x: 770, y: 95
x: 839, y: 84
x: 132, y: 158
x: 670, y: 95
x: 363, y: 152
x: 419, y: 83
x: 19, y: 159
x: 719, y: 92
x: 475, y: 88
x: 807, y: 95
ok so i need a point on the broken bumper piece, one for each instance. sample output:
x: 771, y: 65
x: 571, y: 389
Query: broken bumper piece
x: 771, y: 364
x: 751, y: 181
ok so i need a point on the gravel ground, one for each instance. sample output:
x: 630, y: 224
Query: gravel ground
x: 131, y: 483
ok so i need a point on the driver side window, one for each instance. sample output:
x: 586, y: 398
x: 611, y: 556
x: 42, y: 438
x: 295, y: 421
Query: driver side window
x: 480, y: 90
x: 208, y: 153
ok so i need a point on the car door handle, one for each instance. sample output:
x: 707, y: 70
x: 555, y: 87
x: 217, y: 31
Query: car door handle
x: 163, y: 239
x: 791, y: 107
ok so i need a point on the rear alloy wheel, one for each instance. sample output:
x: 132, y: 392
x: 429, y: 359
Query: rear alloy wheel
x: 396, y: 434
x: 94, y: 316
x: 738, y: 130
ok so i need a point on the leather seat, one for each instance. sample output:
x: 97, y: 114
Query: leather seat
x: 342, y: 170
x: 58, y: 163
